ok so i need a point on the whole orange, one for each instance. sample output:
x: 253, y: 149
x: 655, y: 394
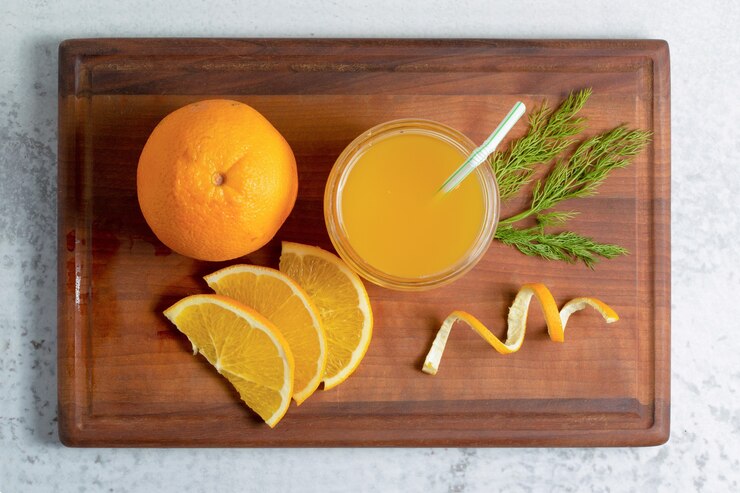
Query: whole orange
x: 216, y: 180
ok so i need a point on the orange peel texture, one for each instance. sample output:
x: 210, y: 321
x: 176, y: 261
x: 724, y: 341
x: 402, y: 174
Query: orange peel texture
x: 215, y: 180
x: 517, y: 322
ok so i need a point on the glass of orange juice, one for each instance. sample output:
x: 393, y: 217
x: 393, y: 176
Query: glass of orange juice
x: 384, y: 215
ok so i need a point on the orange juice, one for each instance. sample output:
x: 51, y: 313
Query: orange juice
x: 384, y: 215
x: 392, y: 217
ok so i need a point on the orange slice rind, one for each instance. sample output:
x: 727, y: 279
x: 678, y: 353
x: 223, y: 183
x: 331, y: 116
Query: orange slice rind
x: 517, y: 322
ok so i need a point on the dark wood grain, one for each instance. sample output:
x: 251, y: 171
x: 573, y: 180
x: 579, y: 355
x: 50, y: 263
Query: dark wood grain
x: 128, y: 378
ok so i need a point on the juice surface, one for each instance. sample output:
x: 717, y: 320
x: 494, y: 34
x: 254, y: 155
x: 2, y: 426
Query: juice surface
x: 390, y: 213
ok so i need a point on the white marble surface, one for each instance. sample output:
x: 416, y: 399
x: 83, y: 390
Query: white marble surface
x: 704, y: 450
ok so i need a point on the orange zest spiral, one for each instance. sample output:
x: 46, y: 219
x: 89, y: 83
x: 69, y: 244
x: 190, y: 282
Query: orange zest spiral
x: 517, y: 322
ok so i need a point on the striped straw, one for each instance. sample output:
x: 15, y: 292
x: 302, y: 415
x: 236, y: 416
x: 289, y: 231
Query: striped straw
x: 480, y: 154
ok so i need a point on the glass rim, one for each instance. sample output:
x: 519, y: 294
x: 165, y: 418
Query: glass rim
x: 332, y: 205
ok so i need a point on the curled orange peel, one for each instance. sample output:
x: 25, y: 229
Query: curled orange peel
x: 517, y: 322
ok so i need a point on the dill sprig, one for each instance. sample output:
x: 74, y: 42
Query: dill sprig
x: 583, y: 173
x: 549, y: 134
x: 566, y: 246
x: 579, y: 175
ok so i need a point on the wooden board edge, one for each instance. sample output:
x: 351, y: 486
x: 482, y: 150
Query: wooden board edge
x: 662, y: 241
x: 72, y: 252
x: 110, y: 45
x: 70, y: 433
x: 65, y: 330
x: 69, y: 51
x: 101, y: 431
x: 77, y: 56
x: 84, y: 437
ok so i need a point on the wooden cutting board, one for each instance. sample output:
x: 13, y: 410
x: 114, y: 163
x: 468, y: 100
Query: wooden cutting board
x: 128, y: 378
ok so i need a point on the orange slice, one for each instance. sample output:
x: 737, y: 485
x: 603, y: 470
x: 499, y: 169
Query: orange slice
x: 342, y: 302
x: 517, y: 323
x: 243, y: 346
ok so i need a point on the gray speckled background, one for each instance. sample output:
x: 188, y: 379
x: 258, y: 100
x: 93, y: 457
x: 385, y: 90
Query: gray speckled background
x: 704, y: 450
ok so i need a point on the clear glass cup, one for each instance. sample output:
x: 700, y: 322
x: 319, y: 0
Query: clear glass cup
x: 343, y: 166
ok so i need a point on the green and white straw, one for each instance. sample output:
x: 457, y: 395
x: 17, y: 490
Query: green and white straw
x: 480, y: 154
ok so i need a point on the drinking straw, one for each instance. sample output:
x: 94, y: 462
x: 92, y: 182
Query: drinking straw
x: 480, y: 154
